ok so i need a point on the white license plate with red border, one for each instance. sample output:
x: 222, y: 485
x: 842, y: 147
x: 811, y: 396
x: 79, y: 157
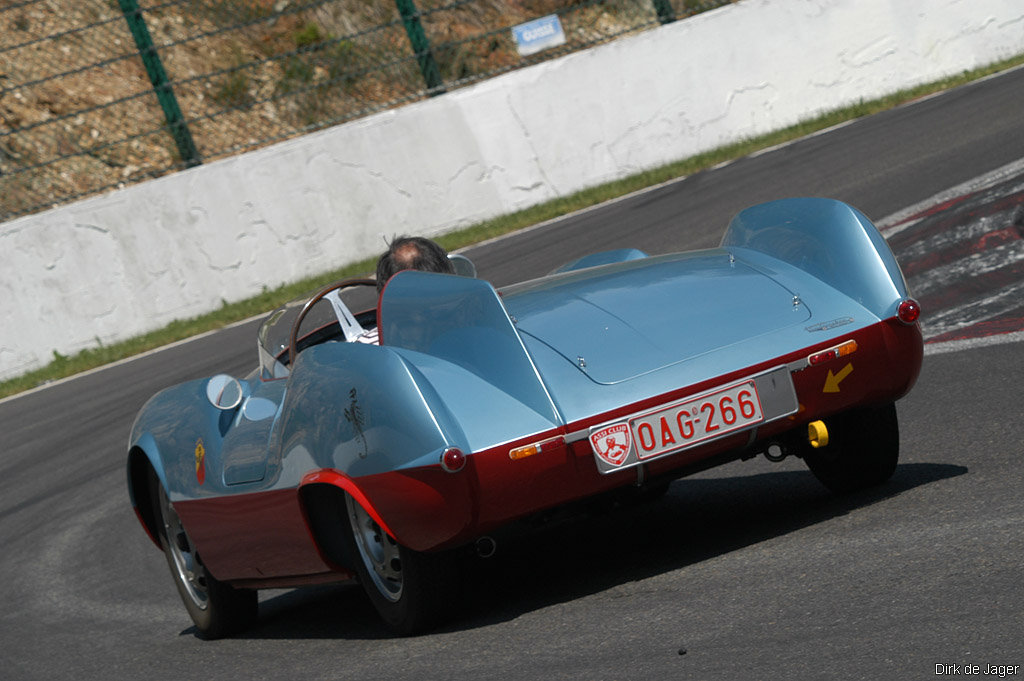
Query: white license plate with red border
x: 716, y: 413
x: 696, y: 420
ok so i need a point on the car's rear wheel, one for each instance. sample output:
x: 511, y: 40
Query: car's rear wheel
x: 216, y: 609
x: 863, y: 449
x: 406, y: 587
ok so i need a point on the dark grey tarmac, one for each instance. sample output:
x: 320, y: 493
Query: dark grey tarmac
x: 749, y: 571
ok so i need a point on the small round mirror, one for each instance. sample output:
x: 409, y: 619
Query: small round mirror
x: 464, y: 267
x: 224, y: 392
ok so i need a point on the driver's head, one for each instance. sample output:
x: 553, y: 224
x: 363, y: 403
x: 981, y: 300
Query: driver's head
x: 412, y: 253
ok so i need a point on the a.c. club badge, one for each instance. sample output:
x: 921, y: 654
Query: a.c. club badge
x: 612, y: 444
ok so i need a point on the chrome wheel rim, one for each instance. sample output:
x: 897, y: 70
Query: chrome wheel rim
x: 187, y: 568
x: 378, y: 551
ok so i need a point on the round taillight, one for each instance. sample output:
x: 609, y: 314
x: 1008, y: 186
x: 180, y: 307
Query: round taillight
x: 453, y: 460
x: 908, y: 311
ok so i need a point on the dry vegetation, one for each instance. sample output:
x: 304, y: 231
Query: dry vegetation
x: 77, y: 107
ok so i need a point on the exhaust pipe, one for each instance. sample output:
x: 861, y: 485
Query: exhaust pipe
x: 486, y: 547
x: 817, y: 437
x: 775, y: 452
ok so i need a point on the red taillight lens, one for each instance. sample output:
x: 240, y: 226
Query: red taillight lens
x: 908, y: 311
x: 838, y: 351
x: 453, y: 460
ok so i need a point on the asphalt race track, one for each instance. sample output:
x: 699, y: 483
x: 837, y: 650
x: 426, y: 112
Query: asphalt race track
x: 749, y: 571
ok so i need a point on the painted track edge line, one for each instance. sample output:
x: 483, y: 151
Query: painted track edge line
x: 126, y: 360
x: 972, y: 343
x: 894, y: 224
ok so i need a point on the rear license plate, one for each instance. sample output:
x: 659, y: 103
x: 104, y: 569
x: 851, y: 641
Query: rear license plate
x: 742, y: 405
x: 691, y: 422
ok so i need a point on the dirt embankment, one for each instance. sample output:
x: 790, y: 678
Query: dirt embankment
x: 78, y: 113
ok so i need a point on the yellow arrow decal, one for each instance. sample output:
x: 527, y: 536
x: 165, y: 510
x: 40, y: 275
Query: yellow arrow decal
x: 832, y: 381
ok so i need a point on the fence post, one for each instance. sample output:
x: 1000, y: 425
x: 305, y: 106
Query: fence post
x: 421, y: 46
x: 666, y: 15
x: 161, y: 85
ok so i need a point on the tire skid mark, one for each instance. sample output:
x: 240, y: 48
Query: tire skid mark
x: 961, y: 241
x: 55, y: 587
x: 999, y: 309
x: 993, y: 327
x: 939, y: 220
x: 963, y: 257
x: 947, y: 199
x: 976, y: 273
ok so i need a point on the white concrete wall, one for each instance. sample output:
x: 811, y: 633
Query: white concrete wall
x: 114, y: 266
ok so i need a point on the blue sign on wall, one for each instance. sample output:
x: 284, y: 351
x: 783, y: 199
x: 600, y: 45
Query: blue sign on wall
x: 539, y: 34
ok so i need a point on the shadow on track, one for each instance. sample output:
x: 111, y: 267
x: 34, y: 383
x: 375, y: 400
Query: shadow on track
x: 577, y: 555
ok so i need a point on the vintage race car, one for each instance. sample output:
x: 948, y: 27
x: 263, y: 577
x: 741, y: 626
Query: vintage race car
x: 337, y: 460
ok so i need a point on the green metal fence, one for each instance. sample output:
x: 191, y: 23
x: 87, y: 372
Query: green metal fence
x: 97, y: 94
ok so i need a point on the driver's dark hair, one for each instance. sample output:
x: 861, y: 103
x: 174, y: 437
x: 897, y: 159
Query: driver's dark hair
x: 412, y: 253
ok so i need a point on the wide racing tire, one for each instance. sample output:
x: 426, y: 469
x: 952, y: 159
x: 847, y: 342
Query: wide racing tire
x: 863, y: 450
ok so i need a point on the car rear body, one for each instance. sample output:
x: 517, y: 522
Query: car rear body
x: 684, y: 361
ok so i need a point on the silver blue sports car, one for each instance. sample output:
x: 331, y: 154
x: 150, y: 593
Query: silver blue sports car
x: 337, y: 460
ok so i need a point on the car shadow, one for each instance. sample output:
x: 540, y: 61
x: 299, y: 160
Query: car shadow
x: 579, y: 554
